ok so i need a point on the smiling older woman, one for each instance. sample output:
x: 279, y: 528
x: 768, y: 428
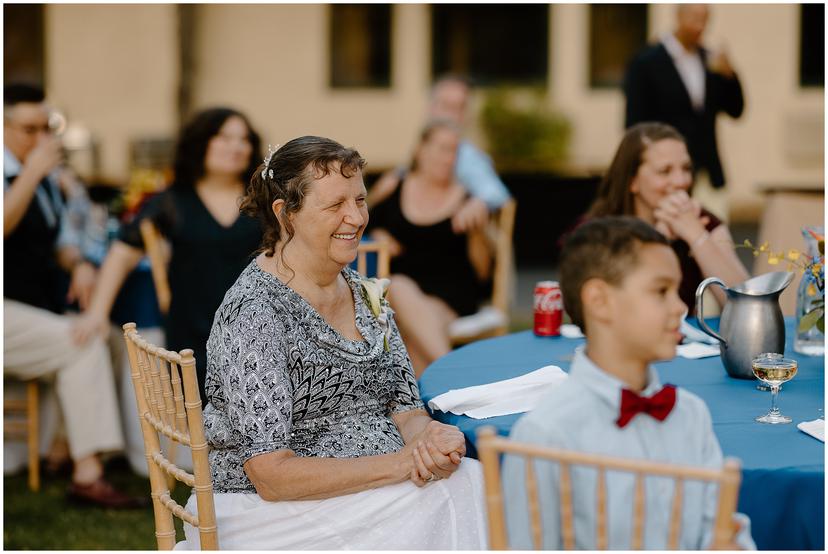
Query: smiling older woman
x: 318, y: 436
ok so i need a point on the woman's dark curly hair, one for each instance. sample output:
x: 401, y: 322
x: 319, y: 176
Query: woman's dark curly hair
x: 192, y: 145
x: 287, y: 176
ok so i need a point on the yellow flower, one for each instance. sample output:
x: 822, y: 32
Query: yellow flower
x: 793, y: 255
x: 764, y: 247
x: 816, y: 269
x: 773, y: 259
x: 811, y: 290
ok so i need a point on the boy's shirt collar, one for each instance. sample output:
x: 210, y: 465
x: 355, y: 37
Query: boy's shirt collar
x: 606, y: 386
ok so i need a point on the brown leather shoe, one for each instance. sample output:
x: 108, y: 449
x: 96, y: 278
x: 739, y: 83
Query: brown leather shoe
x: 102, y: 493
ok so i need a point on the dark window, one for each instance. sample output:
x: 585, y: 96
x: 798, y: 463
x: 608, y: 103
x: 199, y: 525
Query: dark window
x: 360, y: 48
x: 492, y: 44
x: 23, y: 43
x: 616, y: 33
x: 812, y: 45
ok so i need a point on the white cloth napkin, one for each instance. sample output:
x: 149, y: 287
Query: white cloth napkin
x: 696, y: 350
x: 511, y: 396
x: 571, y: 331
x: 815, y: 428
x: 695, y: 335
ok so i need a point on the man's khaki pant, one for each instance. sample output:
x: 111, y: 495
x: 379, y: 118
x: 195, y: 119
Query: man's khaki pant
x: 37, y: 343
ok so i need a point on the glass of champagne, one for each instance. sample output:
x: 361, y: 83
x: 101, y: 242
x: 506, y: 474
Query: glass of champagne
x: 773, y: 369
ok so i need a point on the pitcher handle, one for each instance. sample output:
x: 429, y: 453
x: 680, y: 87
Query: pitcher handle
x: 700, y: 310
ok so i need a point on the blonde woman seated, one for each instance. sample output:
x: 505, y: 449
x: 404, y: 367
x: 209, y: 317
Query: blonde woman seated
x: 318, y: 436
x: 650, y: 177
x: 441, y: 259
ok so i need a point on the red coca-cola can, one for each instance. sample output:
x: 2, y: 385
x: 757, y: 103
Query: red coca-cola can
x: 548, y: 309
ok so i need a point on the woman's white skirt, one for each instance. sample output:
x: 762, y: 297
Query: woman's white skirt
x: 448, y: 514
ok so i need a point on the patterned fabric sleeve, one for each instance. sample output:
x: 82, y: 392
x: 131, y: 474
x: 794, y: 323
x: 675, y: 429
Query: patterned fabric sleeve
x: 247, y: 379
x: 406, y: 394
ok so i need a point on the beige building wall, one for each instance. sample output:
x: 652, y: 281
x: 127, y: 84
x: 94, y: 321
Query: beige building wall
x: 115, y: 68
x: 277, y: 71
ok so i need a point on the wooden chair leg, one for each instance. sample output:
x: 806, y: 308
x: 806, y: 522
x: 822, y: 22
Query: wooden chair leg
x: 33, y: 435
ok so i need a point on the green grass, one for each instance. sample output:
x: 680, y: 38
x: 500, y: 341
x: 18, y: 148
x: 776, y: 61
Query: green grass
x: 47, y: 521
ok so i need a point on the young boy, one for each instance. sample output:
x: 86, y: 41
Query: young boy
x: 619, y: 279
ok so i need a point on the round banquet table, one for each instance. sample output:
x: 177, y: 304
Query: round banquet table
x: 783, y: 469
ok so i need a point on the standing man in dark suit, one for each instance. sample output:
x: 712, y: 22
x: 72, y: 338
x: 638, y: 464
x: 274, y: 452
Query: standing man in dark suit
x: 679, y: 82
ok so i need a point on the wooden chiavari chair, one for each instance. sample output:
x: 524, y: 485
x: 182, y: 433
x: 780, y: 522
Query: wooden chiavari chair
x: 169, y: 404
x: 154, y: 247
x: 20, y: 422
x: 466, y: 329
x: 490, y: 446
x: 380, y: 249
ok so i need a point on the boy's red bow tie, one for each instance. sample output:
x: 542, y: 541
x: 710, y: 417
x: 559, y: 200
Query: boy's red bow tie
x: 658, y: 405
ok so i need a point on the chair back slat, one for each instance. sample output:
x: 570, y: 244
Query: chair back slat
x: 154, y: 387
x: 198, y: 443
x: 490, y: 447
x: 180, y: 412
x: 534, y: 506
x: 153, y: 244
x: 723, y: 527
x: 501, y: 280
x: 601, y: 510
x: 488, y: 456
x: 567, y: 523
x: 675, y: 515
x: 381, y: 249
x: 362, y: 262
x: 159, y: 396
x: 166, y: 391
x: 178, y: 397
x: 638, y: 513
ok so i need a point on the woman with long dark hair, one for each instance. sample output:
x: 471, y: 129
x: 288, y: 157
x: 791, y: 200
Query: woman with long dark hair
x: 650, y: 177
x: 216, y: 155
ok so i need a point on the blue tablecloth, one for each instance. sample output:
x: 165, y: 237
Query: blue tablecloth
x: 783, y: 469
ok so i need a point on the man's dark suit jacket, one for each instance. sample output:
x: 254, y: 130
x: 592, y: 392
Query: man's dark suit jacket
x: 655, y: 92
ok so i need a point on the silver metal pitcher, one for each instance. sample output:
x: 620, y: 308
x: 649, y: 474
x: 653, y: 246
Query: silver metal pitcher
x: 751, y: 321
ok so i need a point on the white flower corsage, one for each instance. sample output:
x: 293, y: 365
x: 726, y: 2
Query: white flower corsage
x: 374, y: 291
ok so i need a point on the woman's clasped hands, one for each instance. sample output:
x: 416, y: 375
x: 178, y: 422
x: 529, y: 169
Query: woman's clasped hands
x: 435, y: 452
x: 680, y: 217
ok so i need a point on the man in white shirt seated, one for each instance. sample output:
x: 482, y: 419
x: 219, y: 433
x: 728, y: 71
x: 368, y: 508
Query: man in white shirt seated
x: 619, y: 280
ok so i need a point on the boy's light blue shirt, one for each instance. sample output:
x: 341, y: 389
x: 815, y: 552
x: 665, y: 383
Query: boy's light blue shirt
x: 580, y: 415
x: 474, y: 170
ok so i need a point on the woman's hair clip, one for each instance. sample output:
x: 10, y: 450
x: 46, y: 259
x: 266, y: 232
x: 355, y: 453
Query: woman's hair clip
x: 270, y: 151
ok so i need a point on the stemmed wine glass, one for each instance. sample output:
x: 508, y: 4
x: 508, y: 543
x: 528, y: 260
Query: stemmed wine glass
x: 773, y: 369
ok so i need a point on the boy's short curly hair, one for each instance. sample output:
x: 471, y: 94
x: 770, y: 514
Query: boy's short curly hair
x: 603, y: 248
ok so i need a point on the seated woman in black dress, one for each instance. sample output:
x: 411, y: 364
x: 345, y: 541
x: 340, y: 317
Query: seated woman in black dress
x: 440, y: 268
x: 211, y: 242
x: 650, y: 177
